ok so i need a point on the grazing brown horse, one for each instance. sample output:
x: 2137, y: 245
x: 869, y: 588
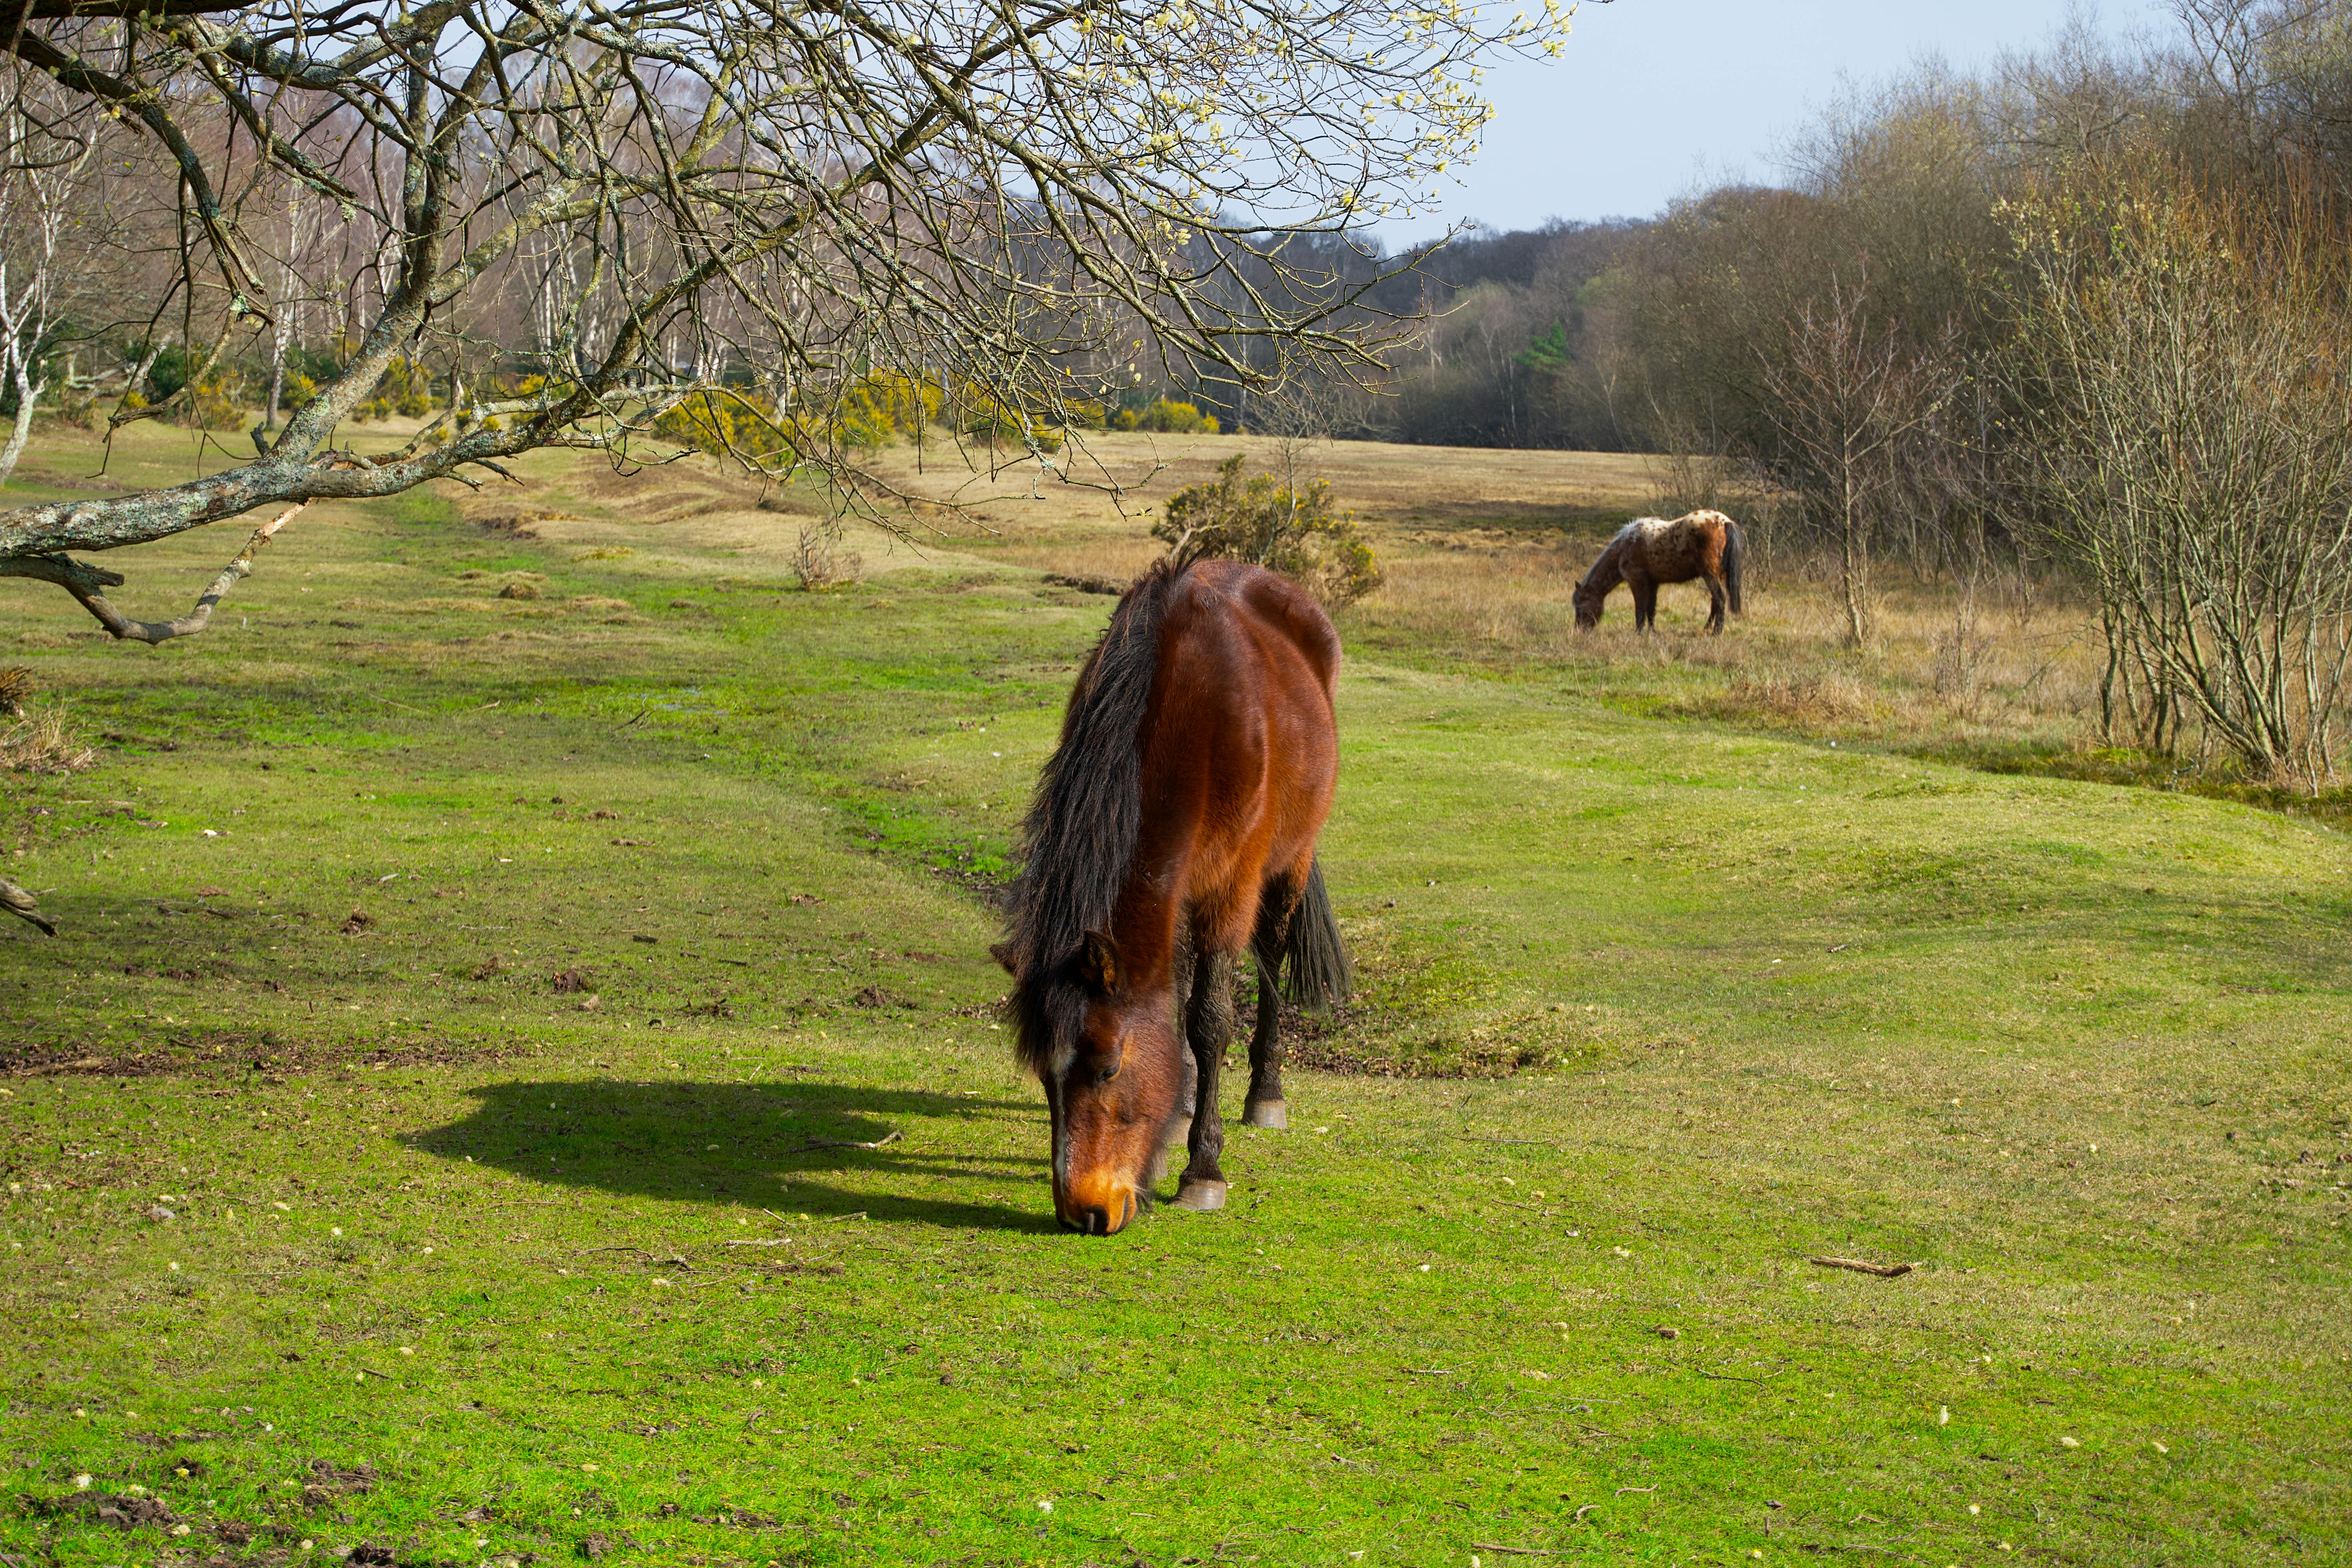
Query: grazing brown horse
x: 1175, y: 824
x: 1649, y: 551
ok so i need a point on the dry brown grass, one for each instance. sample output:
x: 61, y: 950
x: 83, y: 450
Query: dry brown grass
x: 1480, y: 548
x: 2024, y: 676
x: 45, y: 742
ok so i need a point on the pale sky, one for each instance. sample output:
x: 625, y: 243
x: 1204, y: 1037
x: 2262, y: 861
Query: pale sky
x: 1655, y: 97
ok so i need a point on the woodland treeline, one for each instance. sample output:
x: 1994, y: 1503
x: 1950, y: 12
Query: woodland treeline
x: 2088, y: 311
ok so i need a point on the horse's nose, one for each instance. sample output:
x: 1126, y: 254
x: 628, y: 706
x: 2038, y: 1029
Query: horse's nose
x: 1092, y: 1221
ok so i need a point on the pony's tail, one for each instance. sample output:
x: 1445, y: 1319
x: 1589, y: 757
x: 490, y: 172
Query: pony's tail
x: 1316, y: 970
x: 1735, y: 545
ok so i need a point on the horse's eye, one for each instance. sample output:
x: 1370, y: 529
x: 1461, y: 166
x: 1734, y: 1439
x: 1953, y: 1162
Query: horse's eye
x: 1107, y: 1074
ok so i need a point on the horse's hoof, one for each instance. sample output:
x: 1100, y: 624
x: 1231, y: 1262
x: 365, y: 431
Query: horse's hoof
x: 1267, y: 1113
x: 1201, y: 1197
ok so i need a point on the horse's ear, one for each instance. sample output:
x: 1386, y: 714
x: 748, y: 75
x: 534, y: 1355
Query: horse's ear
x: 1003, y: 953
x: 1098, y: 962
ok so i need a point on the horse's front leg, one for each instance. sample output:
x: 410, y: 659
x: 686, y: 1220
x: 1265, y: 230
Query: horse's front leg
x: 1208, y: 1028
x: 1645, y: 604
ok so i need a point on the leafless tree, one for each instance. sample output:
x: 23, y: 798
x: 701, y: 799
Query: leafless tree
x: 1849, y: 400
x: 2192, y: 443
x: 45, y: 201
x: 706, y: 194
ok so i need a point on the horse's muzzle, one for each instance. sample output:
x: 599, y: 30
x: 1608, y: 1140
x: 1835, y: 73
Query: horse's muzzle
x: 1105, y: 1218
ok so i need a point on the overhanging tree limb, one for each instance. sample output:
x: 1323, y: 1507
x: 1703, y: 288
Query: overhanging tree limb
x: 588, y: 214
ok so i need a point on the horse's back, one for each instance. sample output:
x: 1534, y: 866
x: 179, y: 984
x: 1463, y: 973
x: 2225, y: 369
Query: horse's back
x: 1277, y: 617
x: 1244, y: 726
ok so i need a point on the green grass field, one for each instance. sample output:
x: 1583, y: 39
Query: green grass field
x: 499, y: 996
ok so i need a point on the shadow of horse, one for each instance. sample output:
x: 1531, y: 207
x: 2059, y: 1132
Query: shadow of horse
x: 792, y: 1147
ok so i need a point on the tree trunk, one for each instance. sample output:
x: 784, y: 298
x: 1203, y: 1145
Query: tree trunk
x: 1854, y: 571
x: 28, y: 394
x: 277, y: 378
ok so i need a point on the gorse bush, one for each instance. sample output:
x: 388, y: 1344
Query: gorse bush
x: 862, y: 415
x: 1169, y: 418
x: 1292, y: 529
x: 874, y: 410
x: 722, y: 423
x: 990, y: 418
x: 406, y: 391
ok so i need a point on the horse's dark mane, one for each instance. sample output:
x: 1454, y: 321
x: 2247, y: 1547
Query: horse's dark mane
x: 1079, y: 839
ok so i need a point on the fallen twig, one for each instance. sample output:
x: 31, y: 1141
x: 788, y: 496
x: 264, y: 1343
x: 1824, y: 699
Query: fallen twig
x: 1581, y: 1513
x: 837, y: 1144
x: 1513, y: 1551
x: 673, y: 1261
x: 1508, y: 1143
x: 1884, y: 1270
x: 1622, y: 1490
x: 1430, y: 1370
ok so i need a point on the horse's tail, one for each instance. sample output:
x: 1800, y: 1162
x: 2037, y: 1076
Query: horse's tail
x: 1316, y: 970
x: 1735, y: 545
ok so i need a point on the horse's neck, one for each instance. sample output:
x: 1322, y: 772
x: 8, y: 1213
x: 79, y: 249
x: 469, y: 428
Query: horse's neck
x: 1610, y: 570
x: 1144, y: 921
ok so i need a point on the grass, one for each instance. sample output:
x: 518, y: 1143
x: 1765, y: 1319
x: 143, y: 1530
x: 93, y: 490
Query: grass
x: 462, y: 1269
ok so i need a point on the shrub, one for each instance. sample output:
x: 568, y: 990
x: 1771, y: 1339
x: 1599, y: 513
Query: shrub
x: 45, y: 742
x: 1296, y: 531
x: 1171, y: 418
x: 820, y: 563
x: 721, y: 423
x: 875, y: 408
x: 992, y: 419
x: 219, y: 403
x: 17, y: 688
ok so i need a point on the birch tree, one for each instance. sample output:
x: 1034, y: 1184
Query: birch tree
x: 41, y: 180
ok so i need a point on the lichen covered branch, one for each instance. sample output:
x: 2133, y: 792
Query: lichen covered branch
x: 89, y: 584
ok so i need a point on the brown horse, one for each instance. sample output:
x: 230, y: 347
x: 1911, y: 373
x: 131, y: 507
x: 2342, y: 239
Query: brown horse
x: 1175, y: 824
x: 1649, y: 551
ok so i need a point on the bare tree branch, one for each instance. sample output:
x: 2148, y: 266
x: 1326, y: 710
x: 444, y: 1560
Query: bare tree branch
x: 88, y: 583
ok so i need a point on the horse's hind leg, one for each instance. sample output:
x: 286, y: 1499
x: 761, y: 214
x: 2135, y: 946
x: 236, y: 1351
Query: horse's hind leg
x: 1188, y: 1098
x: 1716, y: 599
x: 1208, y: 1028
x: 1264, y: 1106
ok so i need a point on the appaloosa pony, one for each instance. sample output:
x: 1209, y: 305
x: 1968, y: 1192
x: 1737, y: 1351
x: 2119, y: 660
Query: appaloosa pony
x: 1175, y: 824
x: 1649, y: 551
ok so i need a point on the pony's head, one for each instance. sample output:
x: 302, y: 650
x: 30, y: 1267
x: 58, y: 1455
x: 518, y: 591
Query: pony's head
x: 1107, y: 1053
x: 1588, y: 601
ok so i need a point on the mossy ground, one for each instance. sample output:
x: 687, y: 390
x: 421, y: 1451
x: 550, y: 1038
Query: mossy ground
x: 529, y: 1279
